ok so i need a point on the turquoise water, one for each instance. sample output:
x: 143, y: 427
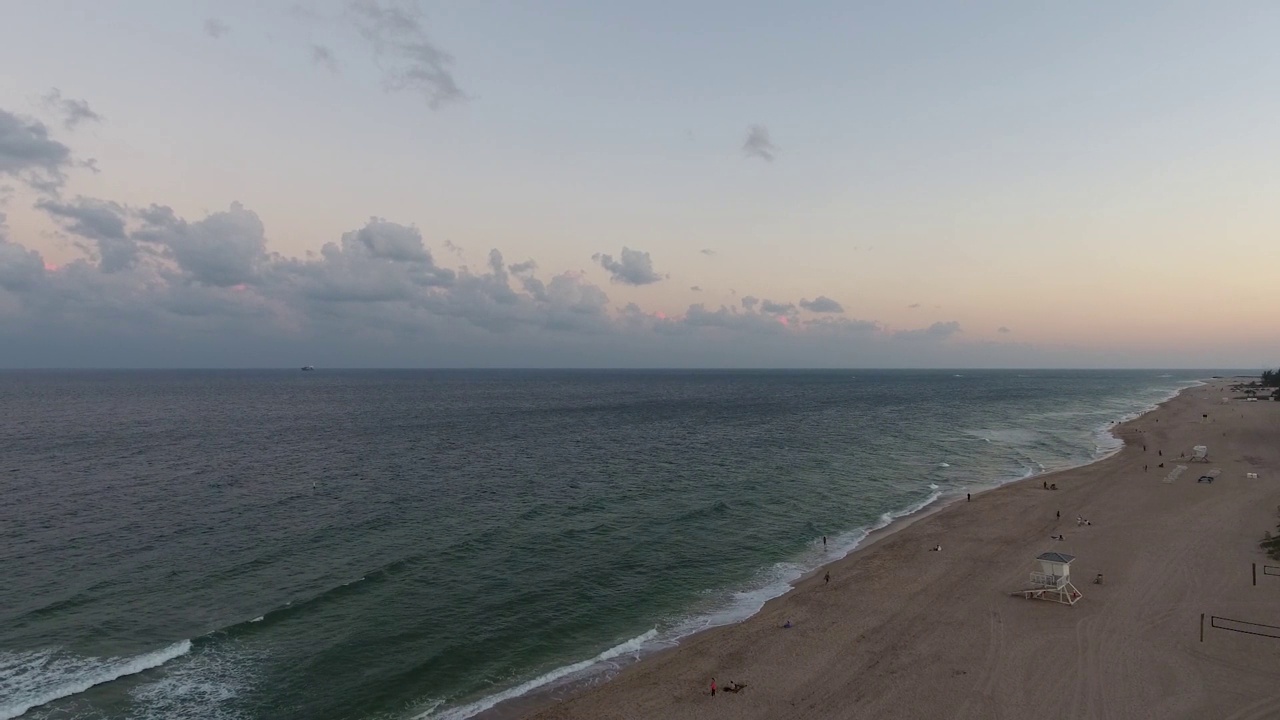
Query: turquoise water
x: 425, y: 544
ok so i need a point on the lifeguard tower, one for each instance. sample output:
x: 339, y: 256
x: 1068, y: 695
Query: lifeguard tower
x: 1052, y: 580
x: 1200, y: 453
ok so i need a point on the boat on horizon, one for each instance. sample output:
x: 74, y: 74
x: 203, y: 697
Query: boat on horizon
x: 306, y: 368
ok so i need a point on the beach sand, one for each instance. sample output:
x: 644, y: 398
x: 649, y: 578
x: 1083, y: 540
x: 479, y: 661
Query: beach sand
x: 903, y: 632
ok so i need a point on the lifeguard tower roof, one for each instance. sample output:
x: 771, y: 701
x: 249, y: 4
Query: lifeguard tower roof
x: 1056, y: 557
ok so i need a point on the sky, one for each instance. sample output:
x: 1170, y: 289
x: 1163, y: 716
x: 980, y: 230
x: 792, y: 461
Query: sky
x: 375, y: 183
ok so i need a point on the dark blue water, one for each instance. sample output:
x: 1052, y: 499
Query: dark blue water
x: 354, y: 544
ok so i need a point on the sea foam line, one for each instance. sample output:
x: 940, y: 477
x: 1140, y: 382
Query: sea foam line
x: 778, y: 580
x: 744, y: 604
x: 634, y: 645
x: 25, y: 690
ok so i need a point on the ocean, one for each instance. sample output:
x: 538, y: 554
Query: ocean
x: 420, y: 545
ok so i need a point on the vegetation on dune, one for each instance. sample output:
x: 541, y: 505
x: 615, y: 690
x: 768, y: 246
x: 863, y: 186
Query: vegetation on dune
x: 1271, y: 378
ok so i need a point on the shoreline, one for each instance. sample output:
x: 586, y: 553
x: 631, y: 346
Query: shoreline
x: 537, y: 699
x: 903, y: 632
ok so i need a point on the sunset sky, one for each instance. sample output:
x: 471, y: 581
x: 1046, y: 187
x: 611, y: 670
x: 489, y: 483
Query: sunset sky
x: 706, y: 184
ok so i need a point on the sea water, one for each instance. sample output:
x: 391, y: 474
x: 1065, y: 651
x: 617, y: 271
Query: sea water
x: 425, y: 544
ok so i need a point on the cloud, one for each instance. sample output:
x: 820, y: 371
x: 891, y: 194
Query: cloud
x: 707, y: 251
x: 935, y: 332
x: 215, y: 28
x: 28, y: 154
x: 322, y: 56
x: 73, y: 111
x: 695, y: 288
x: 822, y: 304
x: 634, y: 268
x: 1003, y: 330
x: 222, y: 250
x: 758, y: 144
x: 154, y: 288
x: 407, y: 58
x: 103, y: 223
x: 913, y: 306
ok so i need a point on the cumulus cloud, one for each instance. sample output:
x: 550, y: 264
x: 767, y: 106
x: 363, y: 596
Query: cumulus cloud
x: 935, y: 332
x: 758, y: 144
x: 822, y: 304
x: 73, y: 111
x: 634, y: 267
x: 102, y: 223
x: 1003, y: 330
x: 28, y: 154
x: 155, y: 288
x: 322, y: 56
x: 215, y: 28
x: 407, y: 57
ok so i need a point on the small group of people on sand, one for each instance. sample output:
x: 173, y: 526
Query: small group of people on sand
x: 1081, y: 521
x: 732, y: 687
x: 1049, y: 485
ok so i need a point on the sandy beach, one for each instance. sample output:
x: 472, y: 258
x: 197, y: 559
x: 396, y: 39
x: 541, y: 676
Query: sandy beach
x: 902, y: 631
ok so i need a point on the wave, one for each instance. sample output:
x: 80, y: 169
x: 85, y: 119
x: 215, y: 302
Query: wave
x: 566, y: 672
x: 32, y: 679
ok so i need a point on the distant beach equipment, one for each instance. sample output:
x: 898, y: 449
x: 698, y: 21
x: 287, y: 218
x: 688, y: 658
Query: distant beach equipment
x: 1251, y: 476
x: 1052, y: 580
x: 1200, y: 454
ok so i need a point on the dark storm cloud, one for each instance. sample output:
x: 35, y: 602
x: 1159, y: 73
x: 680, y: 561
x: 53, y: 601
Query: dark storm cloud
x: 215, y: 28
x: 28, y: 154
x: 73, y: 111
x: 758, y: 144
x: 822, y: 304
x: 322, y: 56
x: 407, y: 57
x: 634, y: 267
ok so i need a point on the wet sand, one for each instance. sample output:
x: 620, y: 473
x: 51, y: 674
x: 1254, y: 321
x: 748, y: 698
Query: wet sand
x: 905, y: 632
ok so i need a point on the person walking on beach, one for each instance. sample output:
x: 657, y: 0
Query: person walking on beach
x: 713, y: 687
x: 826, y: 578
x: 968, y: 497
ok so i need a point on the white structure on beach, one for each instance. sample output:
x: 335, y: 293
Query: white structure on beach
x: 1052, y: 581
x: 1200, y: 453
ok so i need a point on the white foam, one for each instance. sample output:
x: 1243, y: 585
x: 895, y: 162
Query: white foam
x: 632, y: 646
x: 944, y: 464
x: 199, y: 688
x: 33, y: 679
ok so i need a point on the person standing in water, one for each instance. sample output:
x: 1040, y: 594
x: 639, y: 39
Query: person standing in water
x: 824, y: 542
